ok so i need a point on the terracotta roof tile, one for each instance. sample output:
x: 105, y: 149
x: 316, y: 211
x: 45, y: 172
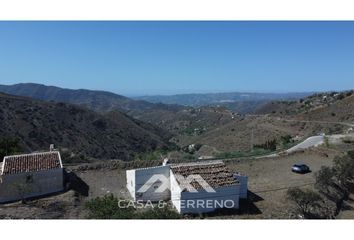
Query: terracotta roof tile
x: 31, y: 162
x: 216, y: 174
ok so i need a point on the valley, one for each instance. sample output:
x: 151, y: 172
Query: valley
x: 98, y: 143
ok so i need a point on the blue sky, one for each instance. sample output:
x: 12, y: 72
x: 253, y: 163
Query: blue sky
x: 145, y: 58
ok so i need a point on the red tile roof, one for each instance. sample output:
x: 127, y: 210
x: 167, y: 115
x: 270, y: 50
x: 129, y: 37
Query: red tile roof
x: 216, y: 174
x: 31, y: 162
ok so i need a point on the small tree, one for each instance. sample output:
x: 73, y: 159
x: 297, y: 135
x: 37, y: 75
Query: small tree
x: 268, y: 145
x: 307, y: 201
x: 344, y: 171
x: 326, y: 141
x: 285, y: 139
x: 324, y: 179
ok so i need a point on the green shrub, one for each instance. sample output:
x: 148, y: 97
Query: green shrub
x: 268, y: 145
x: 188, y: 156
x: 159, y: 213
x: 9, y: 146
x: 107, y: 207
x: 326, y: 141
x: 286, y: 139
x: 110, y: 207
x: 150, y: 156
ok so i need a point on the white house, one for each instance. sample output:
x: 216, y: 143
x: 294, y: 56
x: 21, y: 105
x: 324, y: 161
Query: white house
x: 151, y: 179
x: 190, y: 196
x: 192, y: 187
x: 30, y: 175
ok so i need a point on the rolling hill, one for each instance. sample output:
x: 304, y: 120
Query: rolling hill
x: 241, y: 102
x: 327, y: 106
x: 191, y: 121
x: 339, y: 110
x: 329, y: 113
x: 83, y: 132
x: 100, y: 101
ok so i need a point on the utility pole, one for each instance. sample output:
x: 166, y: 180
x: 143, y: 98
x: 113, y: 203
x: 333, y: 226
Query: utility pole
x: 252, y: 139
x: 6, y: 143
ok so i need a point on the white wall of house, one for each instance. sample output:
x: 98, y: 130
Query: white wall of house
x: 139, y: 177
x: 175, y: 192
x: 244, y: 185
x: 183, y: 201
x: 15, y: 187
x: 202, y: 201
x: 131, y: 182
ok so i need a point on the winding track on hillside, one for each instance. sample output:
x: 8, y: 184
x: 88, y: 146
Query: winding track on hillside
x: 301, y: 121
x: 316, y: 121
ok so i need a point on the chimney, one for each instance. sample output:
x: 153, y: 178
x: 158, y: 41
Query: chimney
x: 165, y: 162
x: 51, y: 147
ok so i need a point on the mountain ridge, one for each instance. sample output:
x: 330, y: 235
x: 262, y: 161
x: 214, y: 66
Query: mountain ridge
x: 100, y: 101
x: 83, y: 132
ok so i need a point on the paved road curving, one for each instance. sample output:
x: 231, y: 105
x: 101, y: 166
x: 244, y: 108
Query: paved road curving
x: 316, y: 121
x: 313, y: 141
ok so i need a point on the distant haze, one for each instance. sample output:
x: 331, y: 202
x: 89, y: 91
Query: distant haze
x: 229, y: 99
x: 103, y: 101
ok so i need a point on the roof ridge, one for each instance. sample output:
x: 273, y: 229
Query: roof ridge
x: 32, y: 162
x: 200, y: 163
x: 31, y: 154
